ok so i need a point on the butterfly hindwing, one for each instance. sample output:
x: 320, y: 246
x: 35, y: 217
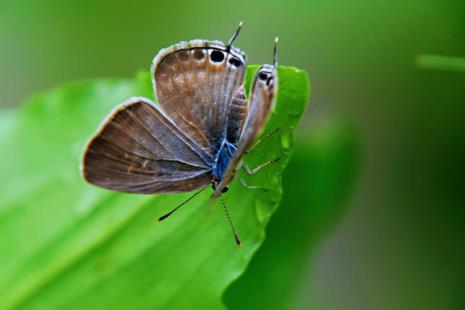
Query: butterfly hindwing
x: 139, y: 150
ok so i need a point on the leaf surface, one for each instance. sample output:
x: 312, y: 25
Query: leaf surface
x: 67, y: 244
x: 317, y: 183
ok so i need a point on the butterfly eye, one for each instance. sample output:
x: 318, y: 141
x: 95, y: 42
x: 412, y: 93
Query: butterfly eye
x: 217, y: 56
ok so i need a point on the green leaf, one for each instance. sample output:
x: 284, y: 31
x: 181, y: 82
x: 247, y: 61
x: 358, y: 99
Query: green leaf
x: 439, y: 62
x: 317, y: 183
x: 67, y: 244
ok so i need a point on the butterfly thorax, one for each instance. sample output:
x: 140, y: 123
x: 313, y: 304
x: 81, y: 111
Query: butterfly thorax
x: 223, y: 159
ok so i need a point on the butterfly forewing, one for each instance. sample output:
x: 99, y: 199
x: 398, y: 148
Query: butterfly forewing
x: 195, y: 83
x: 139, y: 150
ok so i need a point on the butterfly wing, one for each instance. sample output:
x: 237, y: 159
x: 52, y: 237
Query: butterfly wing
x: 140, y: 150
x: 262, y: 100
x: 194, y: 84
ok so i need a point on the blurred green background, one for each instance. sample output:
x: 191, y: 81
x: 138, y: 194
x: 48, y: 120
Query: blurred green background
x: 400, y: 243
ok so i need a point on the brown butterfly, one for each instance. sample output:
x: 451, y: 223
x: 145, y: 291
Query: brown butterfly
x: 198, y: 132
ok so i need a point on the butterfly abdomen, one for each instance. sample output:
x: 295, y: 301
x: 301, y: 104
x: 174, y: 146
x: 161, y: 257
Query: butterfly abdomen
x: 236, y: 116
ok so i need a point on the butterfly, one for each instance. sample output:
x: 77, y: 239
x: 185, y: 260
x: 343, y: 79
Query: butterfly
x: 196, y: 134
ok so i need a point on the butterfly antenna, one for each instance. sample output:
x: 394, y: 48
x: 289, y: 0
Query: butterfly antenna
x: 161, y: 218
x: 234, y: 35
x: 275, y: 52
x: 236, y: 236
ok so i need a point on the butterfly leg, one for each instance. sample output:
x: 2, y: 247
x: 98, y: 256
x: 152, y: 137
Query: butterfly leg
x: 261, y: 139
x: 246, y: 186
x: 259, y: 167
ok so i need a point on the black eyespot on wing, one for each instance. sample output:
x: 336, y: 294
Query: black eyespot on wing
x: 235, y: 62
x: 217, y: 56
x: 224, y: 190
x: 263, y: 76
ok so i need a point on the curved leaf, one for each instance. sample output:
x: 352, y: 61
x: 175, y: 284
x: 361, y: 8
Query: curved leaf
x: 65, y: 243
x: 317, y: 183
